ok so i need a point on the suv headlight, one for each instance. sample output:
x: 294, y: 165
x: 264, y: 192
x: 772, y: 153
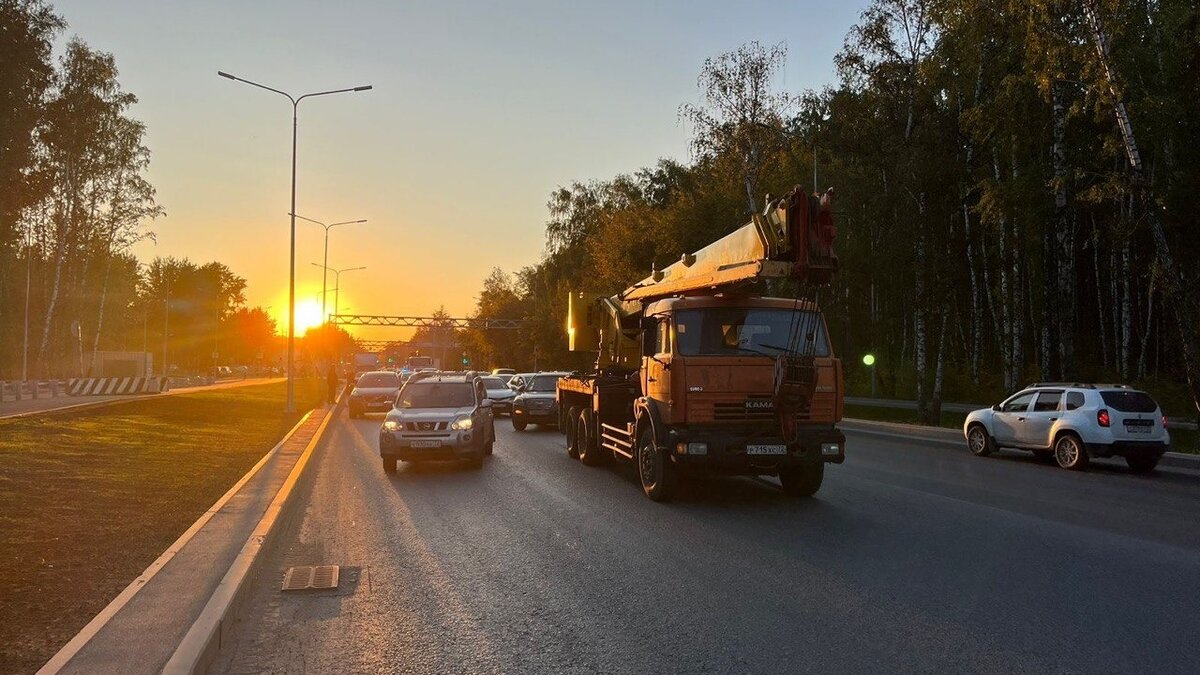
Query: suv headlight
x: 391, y: 425
x: 461, y: 424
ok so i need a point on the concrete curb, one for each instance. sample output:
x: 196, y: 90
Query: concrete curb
x: 89, y: 631
x: 954, y: 437
x: 202, y: 644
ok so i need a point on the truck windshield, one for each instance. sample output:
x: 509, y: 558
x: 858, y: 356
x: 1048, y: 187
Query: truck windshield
x: 739, y: 331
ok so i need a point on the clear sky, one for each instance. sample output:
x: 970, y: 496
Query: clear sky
x: 479, y: 110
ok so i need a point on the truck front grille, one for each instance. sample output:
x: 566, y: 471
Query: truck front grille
x: 752, y: 409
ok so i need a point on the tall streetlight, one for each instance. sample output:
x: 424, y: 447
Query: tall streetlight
x: 28, y: 276
x: 337, y: 282
x: 325, y: 275
x: 295, y: 100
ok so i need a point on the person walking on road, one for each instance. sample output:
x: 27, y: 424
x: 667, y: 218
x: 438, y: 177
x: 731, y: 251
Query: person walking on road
x: 332, y: 379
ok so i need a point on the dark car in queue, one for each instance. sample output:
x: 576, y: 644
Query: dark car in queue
x: 535, y: 400
x: 374, y: 392
x: 497, y: 390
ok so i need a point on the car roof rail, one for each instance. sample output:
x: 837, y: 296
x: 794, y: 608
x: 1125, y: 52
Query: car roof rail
x: 1077, y: 385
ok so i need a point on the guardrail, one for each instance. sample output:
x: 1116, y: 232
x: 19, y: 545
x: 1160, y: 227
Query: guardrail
x: 19, y: 390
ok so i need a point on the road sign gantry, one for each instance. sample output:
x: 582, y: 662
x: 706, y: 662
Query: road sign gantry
x: 422, y: 321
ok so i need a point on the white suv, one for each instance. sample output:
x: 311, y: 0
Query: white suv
x: 1072, y: 423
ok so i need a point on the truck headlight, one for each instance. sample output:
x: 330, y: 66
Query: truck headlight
x: 391, y: 425
x: 462, y: 423
x: 830, y: 449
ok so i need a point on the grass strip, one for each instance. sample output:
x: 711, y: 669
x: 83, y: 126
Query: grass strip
x: 89, y: 499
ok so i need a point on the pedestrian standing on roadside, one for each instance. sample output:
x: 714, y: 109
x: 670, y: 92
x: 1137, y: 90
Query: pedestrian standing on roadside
x: 332, y: 379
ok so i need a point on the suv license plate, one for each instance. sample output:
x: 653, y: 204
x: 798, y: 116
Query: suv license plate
x: 766, y: 449
x: 427, y: 444
x: 1138, y: 429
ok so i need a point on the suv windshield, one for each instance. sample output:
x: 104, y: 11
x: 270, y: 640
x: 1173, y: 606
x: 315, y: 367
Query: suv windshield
x: 541, y: 383
x: 437, y: 395
x: 737, y: 331
x: 1129, y: 401
x: 378, y: 380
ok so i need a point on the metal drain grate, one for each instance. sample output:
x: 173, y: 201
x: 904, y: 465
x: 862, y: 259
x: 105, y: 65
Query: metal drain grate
x: 311, y: 577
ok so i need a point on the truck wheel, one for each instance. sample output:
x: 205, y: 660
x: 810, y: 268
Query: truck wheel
x: 979, y: 442
x: 587, y: 443
x: 655, y: 471
x: 572, y: 433
x: 1069, y: 452
x: 518, y: 424
x: 802, y: 481
x: 389, y: 465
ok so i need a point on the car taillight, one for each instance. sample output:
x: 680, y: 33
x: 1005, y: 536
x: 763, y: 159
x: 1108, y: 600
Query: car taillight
x: 1164, y: 421
x: 1102, y: 418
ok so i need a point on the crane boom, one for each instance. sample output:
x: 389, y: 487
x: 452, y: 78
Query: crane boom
x: 792, y: 238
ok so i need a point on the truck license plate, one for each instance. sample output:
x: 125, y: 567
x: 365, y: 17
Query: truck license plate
x: 766, y: 449
x: 427, y: 444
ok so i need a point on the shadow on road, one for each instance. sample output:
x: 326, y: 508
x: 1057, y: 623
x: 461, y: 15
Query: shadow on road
x: 1102, y: 467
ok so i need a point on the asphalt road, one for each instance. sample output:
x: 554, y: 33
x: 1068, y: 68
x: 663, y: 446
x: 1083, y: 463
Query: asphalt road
x: 911, y: 558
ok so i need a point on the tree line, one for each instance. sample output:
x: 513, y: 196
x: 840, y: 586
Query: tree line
x: 74, y: 199
x: 1015, y: 191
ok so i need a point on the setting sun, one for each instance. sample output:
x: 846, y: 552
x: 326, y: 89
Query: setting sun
x: 308, y: 315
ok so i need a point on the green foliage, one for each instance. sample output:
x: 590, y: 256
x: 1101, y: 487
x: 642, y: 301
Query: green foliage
x: 988, y: 230
x: 73, y: 200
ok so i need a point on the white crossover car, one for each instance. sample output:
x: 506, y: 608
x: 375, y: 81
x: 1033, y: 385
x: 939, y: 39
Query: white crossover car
x: 1072, y: 423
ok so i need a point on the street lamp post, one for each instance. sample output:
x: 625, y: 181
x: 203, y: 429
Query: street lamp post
x: 166, y: 332
x: 337, y: 282
x: 869, y: 361
x: 325, y: 261
x: 295, y: 100
x: 28, y: 276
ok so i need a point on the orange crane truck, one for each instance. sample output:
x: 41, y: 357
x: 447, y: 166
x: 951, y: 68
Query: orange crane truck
x: 696, y: 373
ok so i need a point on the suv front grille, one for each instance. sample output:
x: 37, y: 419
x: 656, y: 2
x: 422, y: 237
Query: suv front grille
x: 426, y: 426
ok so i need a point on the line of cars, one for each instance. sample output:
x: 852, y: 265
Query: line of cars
x: 440, y: 415
x: 1072, y: 422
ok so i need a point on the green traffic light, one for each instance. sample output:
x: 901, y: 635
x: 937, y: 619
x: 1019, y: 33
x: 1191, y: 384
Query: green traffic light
x: 869, y: 360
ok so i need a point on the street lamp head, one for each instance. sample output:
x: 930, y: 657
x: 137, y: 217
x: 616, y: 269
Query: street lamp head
x: 868, y: 359
x: 226, y: 75
x: 363, y: 88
